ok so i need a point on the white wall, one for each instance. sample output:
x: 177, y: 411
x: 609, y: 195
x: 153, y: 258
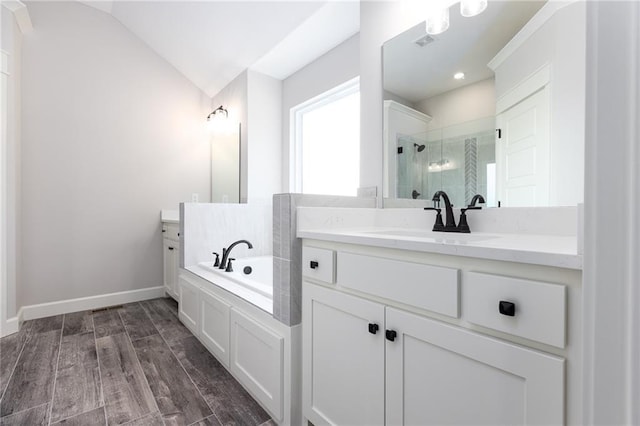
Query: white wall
x: 265, y: 136
x: 328, y: 71
x: 234, y: 97
x: 10, y: 180
x: 561, y: 43
x: 111, y: 134
x: 470, y: 102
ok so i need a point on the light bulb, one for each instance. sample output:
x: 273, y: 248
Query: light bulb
x: 438, y: 21
x: 470, y: 8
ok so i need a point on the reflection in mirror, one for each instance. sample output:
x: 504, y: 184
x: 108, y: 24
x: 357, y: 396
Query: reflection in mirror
x: 492, y: 106
x: 225, y: 164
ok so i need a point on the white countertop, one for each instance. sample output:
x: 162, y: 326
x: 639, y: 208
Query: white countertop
x: 170, y: 216
x: 547, y: 250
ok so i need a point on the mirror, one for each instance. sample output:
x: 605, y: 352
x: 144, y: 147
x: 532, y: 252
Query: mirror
x: 225, y: 164
x: 510, y: 129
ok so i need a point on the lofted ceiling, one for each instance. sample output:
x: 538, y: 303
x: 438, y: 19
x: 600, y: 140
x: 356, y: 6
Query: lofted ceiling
x: 211, y: 42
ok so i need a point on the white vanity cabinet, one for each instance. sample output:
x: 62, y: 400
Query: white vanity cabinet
x: 371, y: 357
x: 171, y: 258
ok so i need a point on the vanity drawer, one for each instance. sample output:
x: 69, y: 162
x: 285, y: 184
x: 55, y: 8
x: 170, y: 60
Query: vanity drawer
x: 433, y: 288
x: 319, y: 264
x: 171, y: 231
x: 538, y: 308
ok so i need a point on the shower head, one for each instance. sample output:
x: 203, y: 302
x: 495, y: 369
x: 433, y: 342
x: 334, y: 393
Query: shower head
x: 420, y: 147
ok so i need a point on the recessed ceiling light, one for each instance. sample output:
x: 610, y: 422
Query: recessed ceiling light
x: 459, y: 76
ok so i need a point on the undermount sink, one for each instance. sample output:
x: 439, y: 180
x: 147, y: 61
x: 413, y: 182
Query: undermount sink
x: 441, y: 237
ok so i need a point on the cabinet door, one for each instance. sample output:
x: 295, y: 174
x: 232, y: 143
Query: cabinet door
x: 343, y: 362
x: 441, y: 374
x: 214, y: 326
x: 175, y: 270
x: 188, y: 305
x: 169, y: 266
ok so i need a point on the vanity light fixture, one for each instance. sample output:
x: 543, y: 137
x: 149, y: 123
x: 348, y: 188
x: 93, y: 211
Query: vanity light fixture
x: 218, y: 113
x: 459, y: 76
x: 470, y: 8
x: 438, y: 21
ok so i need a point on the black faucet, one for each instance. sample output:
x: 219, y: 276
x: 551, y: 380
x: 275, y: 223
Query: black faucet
x: 463, y: 226
x: 450, y: 224
x: 227, y: 251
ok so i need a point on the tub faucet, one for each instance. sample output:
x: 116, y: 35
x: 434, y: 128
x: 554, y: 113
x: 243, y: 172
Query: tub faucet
x: 450, y: 224
x: 227, y: 251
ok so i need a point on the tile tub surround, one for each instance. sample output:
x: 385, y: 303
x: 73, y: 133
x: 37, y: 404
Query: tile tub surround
x: 135, y: 365
x: 207, y: 228
x: 287, y: 248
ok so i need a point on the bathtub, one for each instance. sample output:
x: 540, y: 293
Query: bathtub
x: 251, y: 279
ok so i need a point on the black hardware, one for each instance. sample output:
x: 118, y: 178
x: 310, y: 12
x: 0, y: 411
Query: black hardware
x: 178, y: 234
x: 170, y: 248
x: 450, y: 225
x: 226, y: 251
x: 217, y: 261
x: 499, y: 133
x: 415, y: 194
x: 507, y: 308
x: 164, y: 230
x: 247, y: 270
x: 373, y: 328
x: 399, y: 150
x: 229, y: 268
x: 313, y: 264
x: 390, y: 335
x: 463, y: 226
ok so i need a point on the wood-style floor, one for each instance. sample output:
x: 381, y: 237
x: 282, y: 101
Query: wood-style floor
x: 133, y: 365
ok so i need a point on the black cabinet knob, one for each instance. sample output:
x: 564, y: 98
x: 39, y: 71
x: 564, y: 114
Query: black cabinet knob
x: 507, y: 308
x: 313, y: 264
x: 373, y: 328
x: 390, y: 335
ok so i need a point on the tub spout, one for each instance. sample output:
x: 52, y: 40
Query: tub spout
x: 226, y: 252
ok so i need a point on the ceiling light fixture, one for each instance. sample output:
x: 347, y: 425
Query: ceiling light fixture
x: 438, y: 21
x: 459, y: 76
x: 470, y: 8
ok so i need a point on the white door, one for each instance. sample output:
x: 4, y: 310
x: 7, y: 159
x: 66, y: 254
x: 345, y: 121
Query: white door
x: 522, y: 152
x: 343, y: 359
x: 441, y: 374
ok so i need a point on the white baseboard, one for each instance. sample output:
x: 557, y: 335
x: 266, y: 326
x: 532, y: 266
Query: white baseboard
x: 12, y: 325
x: 85, y: 303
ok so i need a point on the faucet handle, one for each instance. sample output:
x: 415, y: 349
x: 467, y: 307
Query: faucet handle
x: 217, y: 261
x: 229, y: 267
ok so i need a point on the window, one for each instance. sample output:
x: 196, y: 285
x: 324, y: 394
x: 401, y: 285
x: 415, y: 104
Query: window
x: 325, y: 130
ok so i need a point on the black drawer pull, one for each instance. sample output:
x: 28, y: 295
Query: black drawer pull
x: 170, y: 248
x: 313, y: 264
x: 373, y: 328
x: 390, y: 335
x: 507, y: 308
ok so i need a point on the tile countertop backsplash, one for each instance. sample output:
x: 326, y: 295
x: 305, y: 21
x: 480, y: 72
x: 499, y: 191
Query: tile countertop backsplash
x: 544, y: 236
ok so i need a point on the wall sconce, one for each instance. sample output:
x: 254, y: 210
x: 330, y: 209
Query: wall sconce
x: 470, y: 8
x: 218, y: 113
x: 438, y: 19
